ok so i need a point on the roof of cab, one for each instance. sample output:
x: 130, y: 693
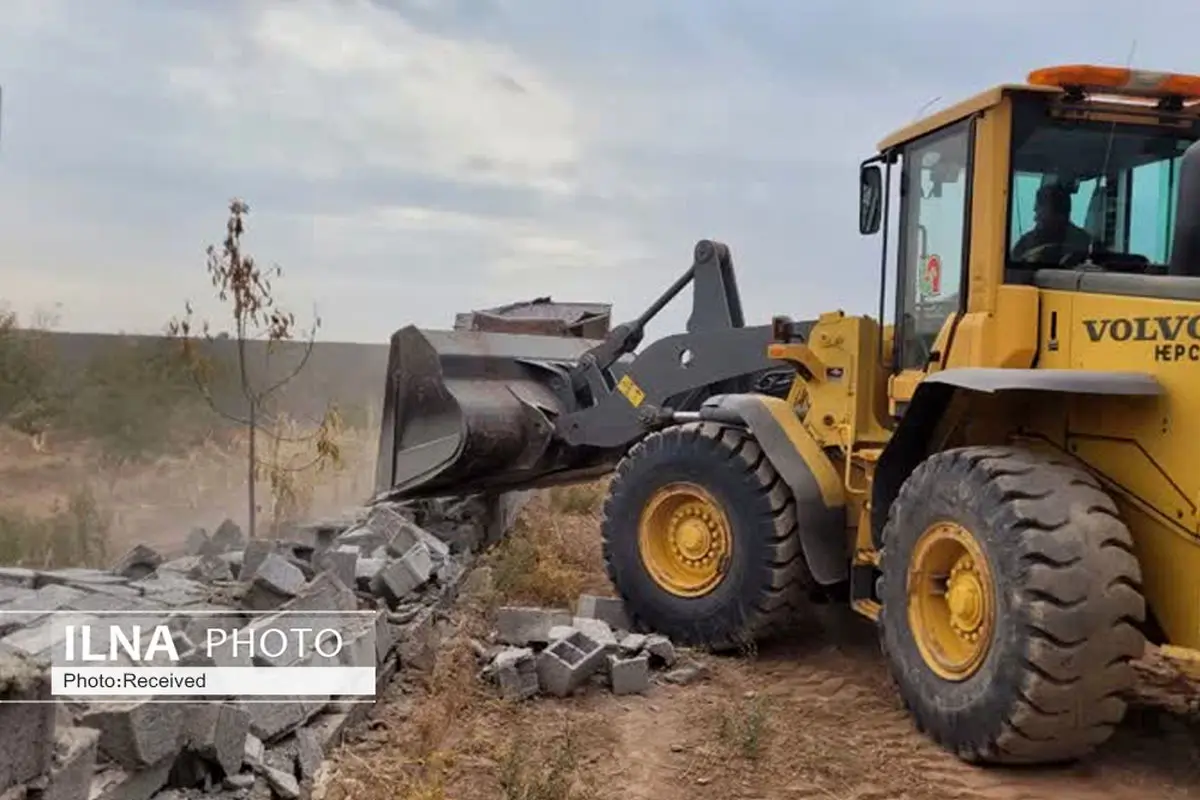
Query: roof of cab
x: 954, y: 113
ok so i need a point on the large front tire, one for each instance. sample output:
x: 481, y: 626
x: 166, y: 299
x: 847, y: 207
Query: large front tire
x: 699, y: 537
x: 1027, y: 658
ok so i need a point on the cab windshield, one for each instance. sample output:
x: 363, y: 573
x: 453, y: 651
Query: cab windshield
x: 1094, y: 192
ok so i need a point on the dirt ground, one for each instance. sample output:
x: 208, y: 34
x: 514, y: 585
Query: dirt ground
x: 814, y: 716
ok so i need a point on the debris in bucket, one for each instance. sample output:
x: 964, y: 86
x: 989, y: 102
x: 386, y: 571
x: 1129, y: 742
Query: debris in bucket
x: 550, y: 651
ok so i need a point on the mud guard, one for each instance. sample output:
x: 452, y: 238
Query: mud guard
x: 909, y: 444
x: 815, y: 482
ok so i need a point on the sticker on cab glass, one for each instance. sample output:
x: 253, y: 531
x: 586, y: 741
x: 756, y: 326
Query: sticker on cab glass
x: 931, y: 277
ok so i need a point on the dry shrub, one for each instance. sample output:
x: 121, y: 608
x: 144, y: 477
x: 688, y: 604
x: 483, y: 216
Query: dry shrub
x: 413, y: 754
x: 74, y: 534
x: 742, y: 726
x: 543, y: 764
x: 551, y: 555
x: 580, y: 498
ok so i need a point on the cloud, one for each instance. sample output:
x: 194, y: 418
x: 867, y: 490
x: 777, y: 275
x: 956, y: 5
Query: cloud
x: 322, y: 88
x: 406, y: 159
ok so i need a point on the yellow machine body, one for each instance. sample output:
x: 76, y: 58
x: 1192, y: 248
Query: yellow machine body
x: 1140, y: 443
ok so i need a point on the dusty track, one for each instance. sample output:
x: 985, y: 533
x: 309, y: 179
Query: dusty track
x: 836, y: 730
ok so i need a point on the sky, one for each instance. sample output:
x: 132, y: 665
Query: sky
x: 405, y: 160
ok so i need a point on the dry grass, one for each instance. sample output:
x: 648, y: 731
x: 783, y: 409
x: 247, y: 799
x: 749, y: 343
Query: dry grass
x: 553, y: 553
x: 76, y: 533
x: 450, y: 736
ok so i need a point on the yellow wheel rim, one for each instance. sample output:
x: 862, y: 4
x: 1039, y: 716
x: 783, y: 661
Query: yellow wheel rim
x: 684, y: 539
x: 951, y: 601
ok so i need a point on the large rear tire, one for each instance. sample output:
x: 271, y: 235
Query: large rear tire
x: 699, y: 537
x: 1026, y: 655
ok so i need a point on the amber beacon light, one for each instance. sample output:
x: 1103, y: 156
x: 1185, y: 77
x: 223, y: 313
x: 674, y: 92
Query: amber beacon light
x: 1118, y: 80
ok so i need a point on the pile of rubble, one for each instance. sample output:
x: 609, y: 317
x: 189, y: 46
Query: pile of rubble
x: 401, y: 564
x: 552, y: 651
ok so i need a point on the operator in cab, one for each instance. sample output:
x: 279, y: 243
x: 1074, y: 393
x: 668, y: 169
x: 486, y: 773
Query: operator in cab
x: 1054, y: 236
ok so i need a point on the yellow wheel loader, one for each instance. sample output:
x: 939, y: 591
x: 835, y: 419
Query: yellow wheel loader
x: 996, y: 469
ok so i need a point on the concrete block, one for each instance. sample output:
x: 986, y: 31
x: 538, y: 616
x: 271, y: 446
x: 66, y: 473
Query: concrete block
x: 139, y: 562
x: 386, y: 635
x: 274, y: 719
x: 661, y: 651
x: 254, y: 752
x: 405, y: 575
x: 18, y: 576
x: 686, y: 672
x: 234, y: 558
x: 26, y: 721
x: 253, y: 554
x: 37, y: 606
x: 629, y: 675
x: 325, y: 592
x: 274, y: 582
x: 278, y: 574
x: 632, y: 643
x: 240, y: 781
x: 521, y: 626
x: 562, y: 632
x: 597, y: 630
x: 205, y: 569
x: 341, y: 561
x: 218, y: 733
x: 104, y: 601
x: 228, y: 536
x: 283, y: 784
x: 79, y: 576
x: 114, y: 783
x: 362, y: 539
x: 366, y: 572
x: 359, y: 648
x: 10, y: 593
x: 309, y: 754
x: 606, y: 609
x: 16, y: 793
x: 568, y: 663
x: 172, y: 589
x: 419, y: 640
x: 329, y: 728
x: 44, y: 638
x: 137, y: 735
x: 386, y: 523
x: 515, y: 671
x: 74, y: 761
x: 197, y: 542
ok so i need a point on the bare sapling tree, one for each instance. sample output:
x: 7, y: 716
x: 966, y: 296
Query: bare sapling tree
x: 259, y: 325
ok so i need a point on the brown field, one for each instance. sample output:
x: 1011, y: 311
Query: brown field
x: 67, y: 506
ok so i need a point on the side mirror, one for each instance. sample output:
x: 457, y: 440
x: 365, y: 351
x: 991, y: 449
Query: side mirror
x: 870, y: 199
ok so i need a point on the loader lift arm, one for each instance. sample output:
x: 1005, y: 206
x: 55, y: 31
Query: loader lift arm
x: 468, y: 412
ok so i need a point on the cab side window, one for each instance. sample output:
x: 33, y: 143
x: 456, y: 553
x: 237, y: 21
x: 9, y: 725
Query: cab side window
x: 933, y: 232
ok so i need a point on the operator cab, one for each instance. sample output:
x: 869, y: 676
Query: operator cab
x: 1083, y: 179
x: 1092, y: 189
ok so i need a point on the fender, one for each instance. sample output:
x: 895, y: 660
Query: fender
x: 815, y: 482
x: 909, y: 444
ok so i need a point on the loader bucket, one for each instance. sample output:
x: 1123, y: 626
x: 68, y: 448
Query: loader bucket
x: 469, y: 411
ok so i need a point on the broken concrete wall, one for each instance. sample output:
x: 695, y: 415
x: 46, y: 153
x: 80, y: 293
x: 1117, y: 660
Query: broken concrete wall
x: 403, y: 562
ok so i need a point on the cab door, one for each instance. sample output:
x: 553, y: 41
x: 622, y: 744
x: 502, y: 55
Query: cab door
x: 934, y: 242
